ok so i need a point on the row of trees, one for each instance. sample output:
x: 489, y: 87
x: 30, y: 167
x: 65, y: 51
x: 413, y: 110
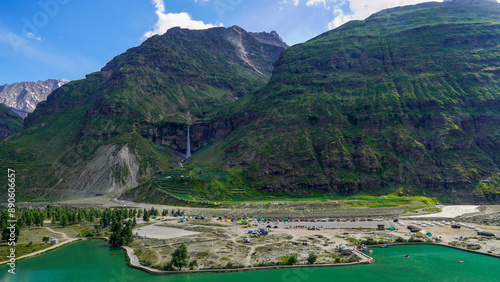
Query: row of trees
x: 153, y: 212
x: 121, y: 233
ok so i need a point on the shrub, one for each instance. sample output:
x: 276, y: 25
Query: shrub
x: 168, y: 266
x: 193, y: 263
x: 400, y: 240
x: 292, y: 260
x: 312, y: 258
x: 369, y: 242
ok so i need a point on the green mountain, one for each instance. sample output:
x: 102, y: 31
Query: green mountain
x: 9, y: 122
x: 104, y: 134
x: 407, y: 100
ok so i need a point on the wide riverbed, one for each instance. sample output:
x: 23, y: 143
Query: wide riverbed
x: 93, y: 260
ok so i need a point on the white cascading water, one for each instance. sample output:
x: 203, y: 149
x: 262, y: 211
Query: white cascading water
x: 188, y: 147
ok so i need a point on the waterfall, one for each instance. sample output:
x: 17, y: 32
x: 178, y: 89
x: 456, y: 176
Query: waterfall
x: 188, y: 147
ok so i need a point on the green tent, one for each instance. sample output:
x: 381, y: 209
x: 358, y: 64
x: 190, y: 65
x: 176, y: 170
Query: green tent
x: 392, y: 228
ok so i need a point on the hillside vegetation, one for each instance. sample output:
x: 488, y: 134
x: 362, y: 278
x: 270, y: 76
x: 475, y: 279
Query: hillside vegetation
x: 408, y: 99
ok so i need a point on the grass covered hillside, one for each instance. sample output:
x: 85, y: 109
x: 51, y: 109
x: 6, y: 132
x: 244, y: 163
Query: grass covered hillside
x: 9, y: 122
x: 118, y: 127
x: 407, y: 100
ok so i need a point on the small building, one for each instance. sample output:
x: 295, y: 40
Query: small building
x: 54, y: 241
x: 344, y: 249
x: 380, y: 227
x: 421, y: 233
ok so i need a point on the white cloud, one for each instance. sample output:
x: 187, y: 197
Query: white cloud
x: 361, y: 9
x: 169, y: 20
x: 33, y: 36
x: 314, y: 2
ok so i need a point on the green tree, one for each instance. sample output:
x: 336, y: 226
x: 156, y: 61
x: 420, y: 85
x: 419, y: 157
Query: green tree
x: 126, y: 234
x: 312, y: 258
x: 46, y: 239
x: 64, y: 220
x: 115, y: 238
x: 7, y: 231
x: 180, y: 257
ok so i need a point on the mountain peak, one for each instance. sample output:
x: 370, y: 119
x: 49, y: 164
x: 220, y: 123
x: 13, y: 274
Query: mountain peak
x: 22, y: 97
x: 271, y: 38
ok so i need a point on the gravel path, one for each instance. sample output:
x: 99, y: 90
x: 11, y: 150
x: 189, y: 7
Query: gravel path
x: 65, y: 237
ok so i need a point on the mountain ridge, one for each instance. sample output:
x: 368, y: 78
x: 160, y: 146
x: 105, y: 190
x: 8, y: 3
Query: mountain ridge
x: 103, y: 134
x: 406, y: 100
x: 22, y: 97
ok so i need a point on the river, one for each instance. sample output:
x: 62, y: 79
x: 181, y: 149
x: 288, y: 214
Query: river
x: 93, y: 260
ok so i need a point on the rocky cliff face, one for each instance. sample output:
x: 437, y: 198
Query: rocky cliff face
x: 174, y: 135
x: 22, y: 97
x: 271, y: 38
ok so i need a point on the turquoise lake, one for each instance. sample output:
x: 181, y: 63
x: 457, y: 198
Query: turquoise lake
x: 92, y: 260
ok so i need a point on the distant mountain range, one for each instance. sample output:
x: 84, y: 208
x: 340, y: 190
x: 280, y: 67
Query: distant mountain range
x: 406, y: 102
x: 22, y: 97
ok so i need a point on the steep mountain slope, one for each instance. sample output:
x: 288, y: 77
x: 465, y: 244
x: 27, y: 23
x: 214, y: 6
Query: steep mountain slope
x: 407, y: 100
x: 102, y: 134
x: 9, y: 122
x: 22, y: 97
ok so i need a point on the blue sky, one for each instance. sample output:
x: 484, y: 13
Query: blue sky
x: 41, y: 39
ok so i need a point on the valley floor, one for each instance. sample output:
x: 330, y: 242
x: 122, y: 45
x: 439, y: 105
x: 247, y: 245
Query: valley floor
x: 216, y: 243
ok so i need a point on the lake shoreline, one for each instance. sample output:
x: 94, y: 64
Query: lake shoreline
x: 133, y: 261
x: 46, y: 250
